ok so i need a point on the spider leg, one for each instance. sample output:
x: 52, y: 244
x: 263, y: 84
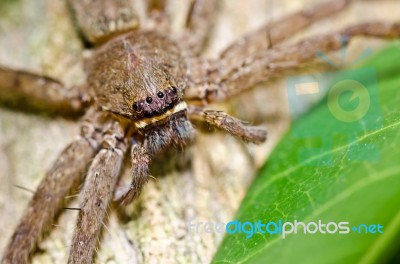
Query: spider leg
x: 99, y: 20
x: 31, y: 92
x: 201, y: 17
x: 229, y: 124
x: 263, y: 38
x: 272, y: 33
x: 65, y: 175
x: 140, y: 171
x: 97, y: 194
x: 268, y: 64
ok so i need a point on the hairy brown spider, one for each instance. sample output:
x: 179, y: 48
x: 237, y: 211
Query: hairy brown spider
x: 143, y: 87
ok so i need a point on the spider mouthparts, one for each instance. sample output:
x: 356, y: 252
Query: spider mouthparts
x: 143, y: 123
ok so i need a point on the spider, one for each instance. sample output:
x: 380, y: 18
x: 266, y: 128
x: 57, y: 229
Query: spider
x: 143, y: 89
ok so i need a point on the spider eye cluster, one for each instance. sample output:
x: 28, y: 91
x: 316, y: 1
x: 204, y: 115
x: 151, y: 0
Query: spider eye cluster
x: 158, y: 104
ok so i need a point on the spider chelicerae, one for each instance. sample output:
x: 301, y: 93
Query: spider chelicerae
x: 143, y: 88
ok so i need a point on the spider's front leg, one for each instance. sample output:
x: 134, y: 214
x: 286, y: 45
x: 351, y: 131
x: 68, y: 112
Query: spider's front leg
x: 233, y: 126
x: 97, y: 194
x: 31, y: 92
x: 64, y: 176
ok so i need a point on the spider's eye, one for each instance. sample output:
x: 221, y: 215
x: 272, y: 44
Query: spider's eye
x: 160, y: 94
x: 149, y: 100
x: 136, y: 107
x: 172, y: 90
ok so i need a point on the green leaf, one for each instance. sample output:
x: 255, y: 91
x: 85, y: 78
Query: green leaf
x: 335, y: 171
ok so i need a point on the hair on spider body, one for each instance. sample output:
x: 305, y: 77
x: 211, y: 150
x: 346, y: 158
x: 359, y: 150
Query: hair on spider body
x: 176, y: 131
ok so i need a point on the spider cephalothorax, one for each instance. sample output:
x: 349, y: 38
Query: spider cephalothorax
x: 140, y: 77
x: 142, y: 88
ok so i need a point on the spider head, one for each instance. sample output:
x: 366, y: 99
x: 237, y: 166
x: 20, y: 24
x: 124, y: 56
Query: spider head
x: 141, y: 77
x: 161, y: 113
x: 157, y: 93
